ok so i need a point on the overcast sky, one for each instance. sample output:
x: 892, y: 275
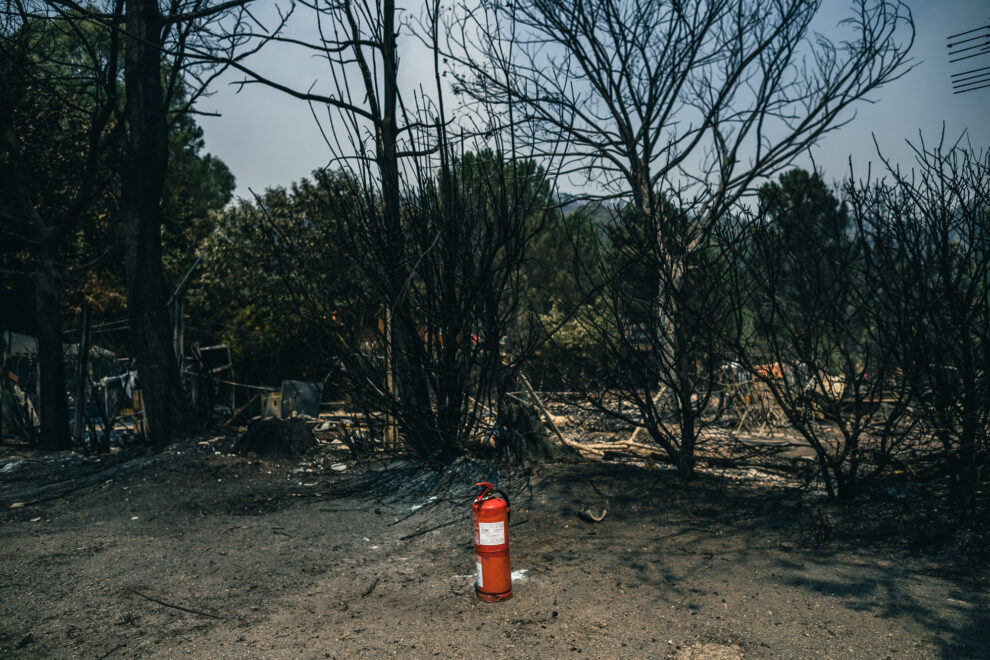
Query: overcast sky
x: 269, y: 139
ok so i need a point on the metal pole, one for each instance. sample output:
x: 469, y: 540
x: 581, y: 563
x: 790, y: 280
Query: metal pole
x: 82, y: 376
x: 182, y: 284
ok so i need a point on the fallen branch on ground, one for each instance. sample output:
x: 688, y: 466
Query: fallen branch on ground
x: 427, y: 530
x: 176, y: 607
x: 370, y: 589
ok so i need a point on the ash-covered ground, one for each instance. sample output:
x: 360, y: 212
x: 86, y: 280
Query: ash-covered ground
x: 198, y: 552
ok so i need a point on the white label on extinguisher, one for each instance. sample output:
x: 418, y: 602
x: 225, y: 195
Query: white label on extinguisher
x: 491, y: 533
x: 477, y: 566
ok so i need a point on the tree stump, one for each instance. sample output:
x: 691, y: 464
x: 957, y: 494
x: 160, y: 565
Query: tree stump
x: 523, y: 435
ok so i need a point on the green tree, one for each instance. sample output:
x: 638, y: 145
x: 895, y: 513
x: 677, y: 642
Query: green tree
x: 197, y: 186
x: 560, y: 260
x: 276, y: 283
x: 62, y: 152
x: 804, y: 223
x: 172, y: 52
x: 58, y: 75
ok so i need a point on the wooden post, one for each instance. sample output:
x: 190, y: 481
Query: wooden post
x: 3, y: 376
x: 391, y: 431
x: 179, y: 330
x: 538, y: 402
x: 639, y: 429
x: 82, y: 375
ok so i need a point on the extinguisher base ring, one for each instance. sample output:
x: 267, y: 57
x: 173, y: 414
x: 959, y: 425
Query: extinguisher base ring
x: 492, y: 598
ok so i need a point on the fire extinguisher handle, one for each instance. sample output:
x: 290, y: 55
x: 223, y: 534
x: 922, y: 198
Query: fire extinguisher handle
x: 508, y: 507
x: 490, y: 488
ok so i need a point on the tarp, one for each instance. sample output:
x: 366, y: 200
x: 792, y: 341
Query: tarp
x: 18, y: 344
x: 301, y: 397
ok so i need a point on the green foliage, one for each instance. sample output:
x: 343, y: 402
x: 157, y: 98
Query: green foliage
x: 196, y: 186
x: 664, y: 273
x: 812, y: 272
x: 62, y: 93
x: 559, y: 269
x: 558, y: 248
x: 61, y: 140
x: 558, y: 257
x: 637, y: 257
x: 273, y: 269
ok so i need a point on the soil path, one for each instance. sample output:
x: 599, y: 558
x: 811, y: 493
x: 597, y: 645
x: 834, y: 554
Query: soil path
x: 196, y: 554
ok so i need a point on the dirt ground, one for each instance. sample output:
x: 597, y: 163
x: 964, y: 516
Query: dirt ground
x: 199, y: 553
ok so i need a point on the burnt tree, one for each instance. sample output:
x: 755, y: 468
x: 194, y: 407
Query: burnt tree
x: 689, y: 103
x: 59, y: 73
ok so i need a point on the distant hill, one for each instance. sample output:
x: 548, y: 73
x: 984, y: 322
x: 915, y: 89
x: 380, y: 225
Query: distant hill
x: 602, y: 212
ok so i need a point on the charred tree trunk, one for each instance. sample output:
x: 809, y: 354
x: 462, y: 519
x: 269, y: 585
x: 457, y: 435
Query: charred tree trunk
x: 48, y: 314
x: 168, y: 412
x: 406, y: 353
x: 48, y: 284
x: 388, y: 165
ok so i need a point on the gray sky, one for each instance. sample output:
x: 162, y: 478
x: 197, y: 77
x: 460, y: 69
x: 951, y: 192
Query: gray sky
x: 269, y: 139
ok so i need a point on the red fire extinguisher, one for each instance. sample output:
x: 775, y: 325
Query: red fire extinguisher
x: 491, y: 545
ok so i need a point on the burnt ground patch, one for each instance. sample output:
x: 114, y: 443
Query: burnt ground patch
x: 197, y: 552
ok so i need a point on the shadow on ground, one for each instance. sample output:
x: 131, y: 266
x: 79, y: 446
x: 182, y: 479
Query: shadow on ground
x: 195, y: 553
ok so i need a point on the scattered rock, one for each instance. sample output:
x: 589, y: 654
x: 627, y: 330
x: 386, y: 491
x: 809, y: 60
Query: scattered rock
x: 588, y: 516
x: 708, y: 651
